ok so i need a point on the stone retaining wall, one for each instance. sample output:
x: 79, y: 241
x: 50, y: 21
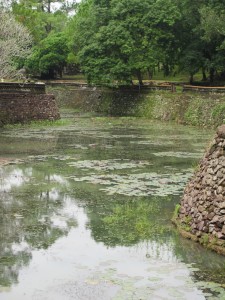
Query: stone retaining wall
x: 25, y: 107
x: 202, y: 208
x: 15, y: 87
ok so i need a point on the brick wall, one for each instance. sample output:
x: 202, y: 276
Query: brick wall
x: 25, y: 107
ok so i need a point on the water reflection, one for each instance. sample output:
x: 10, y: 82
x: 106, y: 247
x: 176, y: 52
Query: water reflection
x: 34, y: 214
x: 12, y: 178
x: 126, y: 224
x: 74, y: 237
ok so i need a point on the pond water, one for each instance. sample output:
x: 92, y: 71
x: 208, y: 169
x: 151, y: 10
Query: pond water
x: 85, y: 212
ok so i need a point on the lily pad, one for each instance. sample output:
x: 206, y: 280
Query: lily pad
x: 143, y: 184
x: 108, y: 165
x: 179, y: 154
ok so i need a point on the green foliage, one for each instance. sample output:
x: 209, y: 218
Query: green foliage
x: 197, y: 110
x: 212, y: 26
x: 39, y: 124
x: 218, y: 113
x: 133, y: 222
x: 39, y: 17
x: 176, y: 211
x: 115, y: 40
x: 193, y: 112
x: 205, y: 111
x: 204, y: 239
x: 49, y: 57
x: 185, y: 225
x: 46, y: 23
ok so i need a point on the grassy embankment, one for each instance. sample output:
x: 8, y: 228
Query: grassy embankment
x: 197, y: 109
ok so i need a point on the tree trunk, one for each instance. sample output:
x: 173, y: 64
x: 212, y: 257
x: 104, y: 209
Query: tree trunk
x: 48, y: 26
x: 191, y: 78
x: 49, y: 6
x: 150, y: 73
x: 166, y: 70
x: 61, y: 72
x: 211, y: 74
x: 204, y: 77
x: 139, y: 77
x: 158, y: 66
x: 51, y: 74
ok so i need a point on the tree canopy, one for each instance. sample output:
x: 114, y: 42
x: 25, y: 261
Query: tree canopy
x: 115, y: 41
x: 15, y: 44
x: 49, y: 57
x: 41, y: 17
x: 119, y: 40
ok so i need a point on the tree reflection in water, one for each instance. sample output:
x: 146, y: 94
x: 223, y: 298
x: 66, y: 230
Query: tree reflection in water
x: 33, y: 215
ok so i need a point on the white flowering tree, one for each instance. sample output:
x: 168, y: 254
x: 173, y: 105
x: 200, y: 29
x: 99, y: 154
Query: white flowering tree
x: 15, y: 44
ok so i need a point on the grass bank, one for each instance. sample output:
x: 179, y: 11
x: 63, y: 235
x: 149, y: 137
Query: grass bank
x: 204, y: 110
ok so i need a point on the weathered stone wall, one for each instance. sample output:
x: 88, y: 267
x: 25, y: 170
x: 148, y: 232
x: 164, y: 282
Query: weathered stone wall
x: 202, y: 210
x: 16, y: 87
x: 25, y: 107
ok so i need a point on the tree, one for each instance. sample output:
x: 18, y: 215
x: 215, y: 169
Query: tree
x: 42, y: 16
x: 15, y: 44
x: 46, y: 20
x: 49, y: 56
x: 213, y: 27
x: 201, y: 33
x: 117, y: 40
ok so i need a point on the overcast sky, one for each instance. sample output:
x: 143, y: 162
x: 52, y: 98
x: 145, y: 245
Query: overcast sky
x: 55, y: 6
